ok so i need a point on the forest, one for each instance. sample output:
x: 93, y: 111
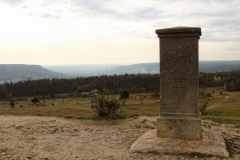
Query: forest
x: 113, y: 84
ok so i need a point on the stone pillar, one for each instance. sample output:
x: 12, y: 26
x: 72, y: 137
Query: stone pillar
x: 179, y: 114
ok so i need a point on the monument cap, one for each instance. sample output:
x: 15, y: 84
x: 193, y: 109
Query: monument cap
x: 179, y: 29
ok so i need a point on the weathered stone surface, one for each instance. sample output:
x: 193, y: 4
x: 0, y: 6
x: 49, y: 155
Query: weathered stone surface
x: 179, y: 113
x: 149, y: 142
x: 179, y: 128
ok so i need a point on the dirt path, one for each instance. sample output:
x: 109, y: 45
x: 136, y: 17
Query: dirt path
x: 52, y: 138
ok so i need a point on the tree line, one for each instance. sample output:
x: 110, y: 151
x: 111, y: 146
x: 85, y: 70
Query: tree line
x: 111, y: 84
x: 105, y: 84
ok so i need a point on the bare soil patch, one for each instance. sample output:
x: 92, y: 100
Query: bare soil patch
x: 55, y: 138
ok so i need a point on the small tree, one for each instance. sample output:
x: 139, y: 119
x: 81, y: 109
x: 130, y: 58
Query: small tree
x: 34, y: 100
x: 124, y: 94
x: 12, y: 103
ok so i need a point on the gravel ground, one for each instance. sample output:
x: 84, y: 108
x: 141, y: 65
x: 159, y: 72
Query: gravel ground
x: 54, y: 138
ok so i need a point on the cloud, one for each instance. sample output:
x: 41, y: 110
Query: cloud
x: 122, y: 10
x: 124, y: 27
x: 94, y: 7
x: 13, y: 2
x: 147, y: 13
x: 49, y: 2
x: 46, y: 15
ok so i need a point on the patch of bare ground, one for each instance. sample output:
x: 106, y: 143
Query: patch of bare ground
x: 53, y: 138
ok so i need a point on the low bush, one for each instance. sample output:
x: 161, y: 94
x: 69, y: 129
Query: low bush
x: 209, y: 94
x: 202, y: 108
x: 124, y: 94
x: 35, y: 100
x: 106, y: 106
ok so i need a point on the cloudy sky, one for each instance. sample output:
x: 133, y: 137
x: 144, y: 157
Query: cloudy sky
x: 111, y: 31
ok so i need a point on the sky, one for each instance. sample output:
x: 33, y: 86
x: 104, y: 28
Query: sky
x: 53, y: 32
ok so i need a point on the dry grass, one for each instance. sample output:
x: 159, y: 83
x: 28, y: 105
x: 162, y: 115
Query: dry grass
x: 225, y: 105
x: 78, y: 107
x: 50, y: 107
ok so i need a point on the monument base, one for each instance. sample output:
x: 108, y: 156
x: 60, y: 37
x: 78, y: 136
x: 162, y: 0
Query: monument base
x: 211, y: 143
x: 186, y: 127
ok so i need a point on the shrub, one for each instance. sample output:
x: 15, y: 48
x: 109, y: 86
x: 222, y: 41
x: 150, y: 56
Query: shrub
x: 208, y: 94
x: 35, y: 100
x: 11, y: 103
x: 106, y: 106
x: 202, y: 109
x: 124, y: 94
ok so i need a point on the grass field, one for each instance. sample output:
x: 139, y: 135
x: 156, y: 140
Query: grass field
x: 221, y: 108
x: 79, y: 107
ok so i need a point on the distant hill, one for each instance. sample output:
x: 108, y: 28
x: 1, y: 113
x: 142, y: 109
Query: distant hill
x: 204, y: 66
x: 218, y: 66
x: 138, y: 68
x: 21, y: 71
x: 236, y: 68
x: 83, y: 70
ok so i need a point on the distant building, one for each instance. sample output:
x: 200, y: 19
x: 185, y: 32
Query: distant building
x: 62, y: 95
x: 94, y: 92
x: 86, y: 93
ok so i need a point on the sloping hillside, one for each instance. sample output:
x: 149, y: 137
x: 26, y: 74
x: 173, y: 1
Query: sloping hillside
x: 15, y: 71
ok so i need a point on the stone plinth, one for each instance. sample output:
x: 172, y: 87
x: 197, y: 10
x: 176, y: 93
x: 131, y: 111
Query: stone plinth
x: 212, y: 144
x: 179, y: 113
x: 181, y: 127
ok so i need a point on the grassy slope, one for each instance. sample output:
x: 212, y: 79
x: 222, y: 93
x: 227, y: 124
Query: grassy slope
x: 223, y: 108
x: 227, y: 104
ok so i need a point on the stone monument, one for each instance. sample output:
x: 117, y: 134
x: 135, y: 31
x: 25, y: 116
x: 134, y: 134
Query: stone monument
x: 179, y: 127
x: 179, y: 113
